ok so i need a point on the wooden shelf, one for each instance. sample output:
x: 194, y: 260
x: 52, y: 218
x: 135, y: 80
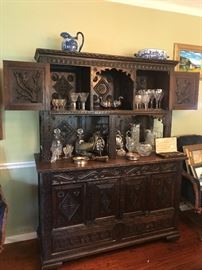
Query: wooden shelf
x: 150, y: 112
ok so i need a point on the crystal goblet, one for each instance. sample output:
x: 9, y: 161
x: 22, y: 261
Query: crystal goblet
x: 151, y: 93
x: 158, y: 95
x: 55, y: 103
x: 67, y: 150
x: 145, y: 100
x: 74, y: 97
x: 83, y: 98
x: 138, y: 101
x: 61, y: 103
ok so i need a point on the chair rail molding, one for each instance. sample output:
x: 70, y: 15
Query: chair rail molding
x: 17, y: 165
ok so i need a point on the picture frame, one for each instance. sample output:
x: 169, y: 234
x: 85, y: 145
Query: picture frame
x: 196, y: 155
x: 194, y: 161
x: 197, y: 172
x: 189, y: 57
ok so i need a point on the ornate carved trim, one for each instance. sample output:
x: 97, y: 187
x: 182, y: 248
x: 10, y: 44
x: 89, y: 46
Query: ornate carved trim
x: 125, y: 63
x: 89, y: 175
x: 62, y: 240
x: 151, y: 169
x: 40, y: 54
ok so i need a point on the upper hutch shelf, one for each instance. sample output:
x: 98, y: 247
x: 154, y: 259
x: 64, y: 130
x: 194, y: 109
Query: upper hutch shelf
x: 97, y: 92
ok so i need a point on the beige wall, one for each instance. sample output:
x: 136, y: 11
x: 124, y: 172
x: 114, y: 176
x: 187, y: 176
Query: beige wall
x: 108, y: 28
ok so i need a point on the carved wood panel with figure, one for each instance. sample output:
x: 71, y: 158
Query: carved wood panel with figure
x: 185, y: 91
x: 26, y: 85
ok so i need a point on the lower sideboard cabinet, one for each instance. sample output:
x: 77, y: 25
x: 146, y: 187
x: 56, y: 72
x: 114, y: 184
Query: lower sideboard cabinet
x: 86, y: 211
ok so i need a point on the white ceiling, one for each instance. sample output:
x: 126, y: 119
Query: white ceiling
x: 191, y: 7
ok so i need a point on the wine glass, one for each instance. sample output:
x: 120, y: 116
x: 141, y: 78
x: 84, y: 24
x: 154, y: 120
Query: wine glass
x: 67, y: 150
x: 151, y: 93
x: 74, y: 98
x: 61, y: 103
x: 145, y: 99
x: 83, y: 97
x: 158, y: 94
x: 160, y: 98
x: 55, y: 104
x: 138, y: 101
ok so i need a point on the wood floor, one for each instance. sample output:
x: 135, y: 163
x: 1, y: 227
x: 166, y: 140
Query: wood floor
x: 183, y: 254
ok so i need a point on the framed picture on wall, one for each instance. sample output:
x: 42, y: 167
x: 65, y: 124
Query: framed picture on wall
x: 189, y: 57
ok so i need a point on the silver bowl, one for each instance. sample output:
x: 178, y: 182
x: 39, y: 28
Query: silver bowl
x: 144, y: 149
x: 132, y: 156
x: 81, y: 161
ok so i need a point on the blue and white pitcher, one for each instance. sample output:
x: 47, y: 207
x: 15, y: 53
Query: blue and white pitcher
x: 71, y: 43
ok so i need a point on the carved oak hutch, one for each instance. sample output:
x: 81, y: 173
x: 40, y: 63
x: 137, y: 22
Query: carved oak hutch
x: 102, y: 205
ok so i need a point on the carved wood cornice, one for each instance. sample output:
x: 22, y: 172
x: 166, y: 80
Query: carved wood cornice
x: 101, y: 60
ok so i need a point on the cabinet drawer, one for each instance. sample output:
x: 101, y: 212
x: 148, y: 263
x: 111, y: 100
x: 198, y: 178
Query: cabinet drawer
x: 83, y: 237
x: 139, y: 225
x: 85, y: 175
x: 151, y: 168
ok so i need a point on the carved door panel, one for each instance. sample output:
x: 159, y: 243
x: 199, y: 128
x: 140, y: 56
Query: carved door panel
x: 133, y: 195
x: 69, y: 205
x: 133, y: 206
x: 185, y: 91
x: 104, y: 196
x: 73, y: 206
x: 26, y: 85
x: 84, y: 215
x: 161, y: 191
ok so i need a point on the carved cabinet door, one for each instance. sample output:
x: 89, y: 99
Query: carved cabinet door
x: 104, y: 196
x: 185, y: 90
x: 161, y: 191
x: 26, y: 85
x: 133, y: 205
x: 133, y: 194
x: 69, y: 203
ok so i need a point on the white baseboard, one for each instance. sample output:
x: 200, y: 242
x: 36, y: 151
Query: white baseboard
x: 20, y: 237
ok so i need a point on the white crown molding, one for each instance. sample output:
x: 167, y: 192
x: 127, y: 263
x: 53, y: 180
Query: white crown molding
x: 162, y: 5
x: 17, y: 165
x: 20, y: 237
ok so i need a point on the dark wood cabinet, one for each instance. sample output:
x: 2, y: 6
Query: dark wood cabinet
x: 95, y: 209
x: 101, y: 206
